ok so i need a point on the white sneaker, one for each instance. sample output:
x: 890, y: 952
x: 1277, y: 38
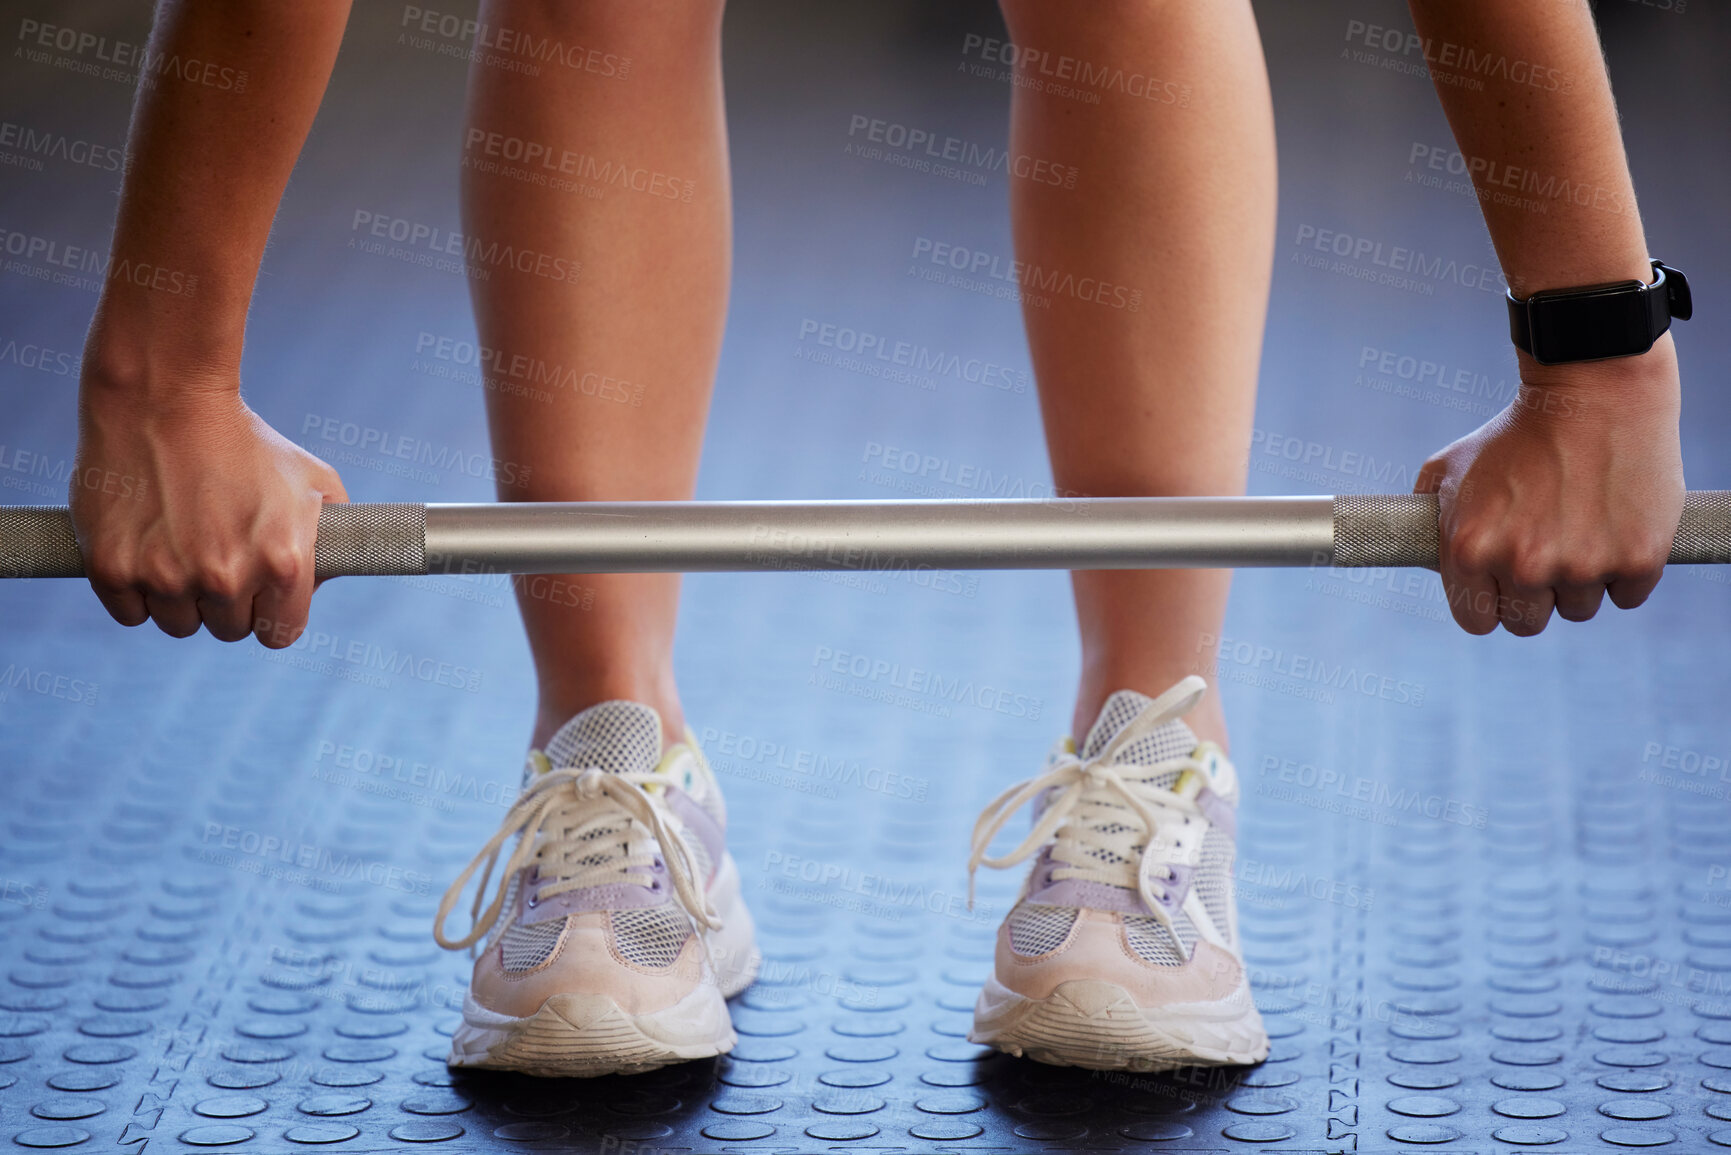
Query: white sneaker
x: 617, y: 931
x: 1122, y: 950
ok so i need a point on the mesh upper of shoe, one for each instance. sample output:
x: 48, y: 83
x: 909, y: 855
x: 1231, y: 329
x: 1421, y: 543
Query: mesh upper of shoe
x: 618, y: 738
x: 1037, y: 928
x: 1033, y: 927
x: 651, y: 936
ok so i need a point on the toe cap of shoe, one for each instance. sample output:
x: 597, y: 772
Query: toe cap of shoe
x: 1096, y: 949
x: 585, y: 962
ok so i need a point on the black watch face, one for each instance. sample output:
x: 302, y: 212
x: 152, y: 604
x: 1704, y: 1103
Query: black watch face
x: 1607, y: 322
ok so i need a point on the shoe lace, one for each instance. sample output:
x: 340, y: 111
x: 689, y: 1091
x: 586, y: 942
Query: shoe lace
x: 1103, y: 818
x: 568, y: 820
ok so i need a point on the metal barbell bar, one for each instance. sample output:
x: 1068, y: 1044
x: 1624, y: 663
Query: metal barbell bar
x: 1355, y: 530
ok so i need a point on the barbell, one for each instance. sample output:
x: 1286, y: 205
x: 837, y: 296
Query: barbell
x: 1355, y: 530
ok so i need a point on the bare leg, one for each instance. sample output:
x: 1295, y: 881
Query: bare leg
x: 647, y: 308
x: 1175, y: 197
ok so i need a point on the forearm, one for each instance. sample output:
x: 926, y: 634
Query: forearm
x: 207, y: 168
x: 1574, y: 490
x: 1538, y: 126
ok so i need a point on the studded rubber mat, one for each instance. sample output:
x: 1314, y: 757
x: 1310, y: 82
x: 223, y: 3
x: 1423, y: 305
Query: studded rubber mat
x: 1485, y: 884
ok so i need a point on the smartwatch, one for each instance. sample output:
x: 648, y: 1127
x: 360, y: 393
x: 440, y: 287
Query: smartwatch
x: 1622, y: 319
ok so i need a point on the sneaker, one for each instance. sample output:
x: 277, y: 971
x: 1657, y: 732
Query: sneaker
x: 1122, y: 952
x: 616, y: 932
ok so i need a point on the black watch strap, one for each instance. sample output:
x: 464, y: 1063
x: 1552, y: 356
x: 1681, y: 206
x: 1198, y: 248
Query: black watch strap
x: 1597, y: 321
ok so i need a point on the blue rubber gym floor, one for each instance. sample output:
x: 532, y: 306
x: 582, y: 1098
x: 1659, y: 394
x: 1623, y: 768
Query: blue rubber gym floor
x: 1485, y: 883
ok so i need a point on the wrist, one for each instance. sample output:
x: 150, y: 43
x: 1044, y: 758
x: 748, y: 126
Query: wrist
x: 1645, y: 376
x: 130, y: 360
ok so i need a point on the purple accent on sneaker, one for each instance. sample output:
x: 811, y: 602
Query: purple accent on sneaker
x: 699, y: 823
x: 1177, y: 888
x: 1218, y: 811
x: 1041, y: 875
x: 1100, y: 896
x: 613, y: 896
x: 1092, y: 895
x: 532, y: 908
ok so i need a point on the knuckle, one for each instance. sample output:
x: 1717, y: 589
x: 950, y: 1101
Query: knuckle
x: 222, y: 579
x: 161, y: 577
x: 1531, y: 572
x: 1473, y: 550
x: 1580, y: 571
x: 283, y: 565
x: 1645, y: 556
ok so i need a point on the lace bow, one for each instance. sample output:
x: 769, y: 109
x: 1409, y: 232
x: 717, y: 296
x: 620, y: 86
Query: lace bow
x: 561, y: 796
x: 1095, y: 792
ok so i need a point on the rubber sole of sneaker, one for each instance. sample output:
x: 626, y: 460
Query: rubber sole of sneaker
x: 585, y: 1035
x: 1097, y: 1025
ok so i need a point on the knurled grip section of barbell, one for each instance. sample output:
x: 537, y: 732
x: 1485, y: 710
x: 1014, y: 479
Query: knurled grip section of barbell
x: 380, y: 540
x: 1395, y: 529
x: 374, y: 540
x: 1401, y: 530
